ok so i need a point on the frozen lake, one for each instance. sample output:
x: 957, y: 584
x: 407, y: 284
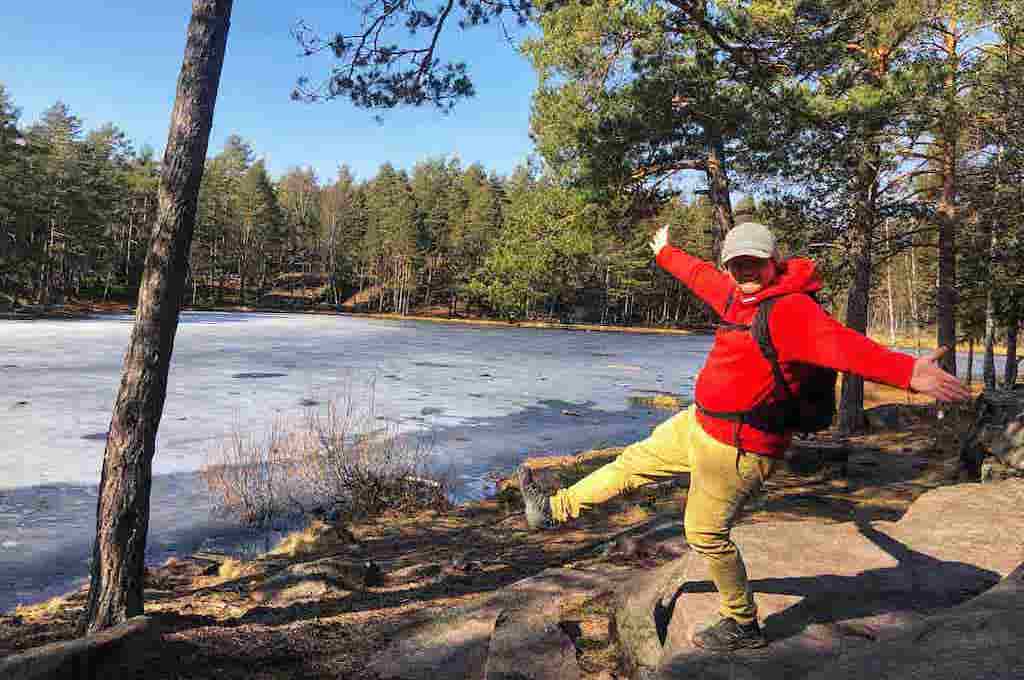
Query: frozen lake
x: 490, y: 396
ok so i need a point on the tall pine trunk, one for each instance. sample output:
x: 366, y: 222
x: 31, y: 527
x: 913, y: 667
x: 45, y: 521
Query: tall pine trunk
x: 122, y: 513
x: 946, y: 310
x: 988, y: 365
x: 888, y: 281
x: 851, y: 402
x: 970, y: 362
x: 947, y: 211
x: 718, y: 186
x: 1010, y: 371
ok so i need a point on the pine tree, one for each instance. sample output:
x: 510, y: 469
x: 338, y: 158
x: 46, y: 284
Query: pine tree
x: 16, y: 176
x: 299, y: 196
x: 342, y: 220
x: 431, y: 184
x: 259, y: 227
x: 390, y: 242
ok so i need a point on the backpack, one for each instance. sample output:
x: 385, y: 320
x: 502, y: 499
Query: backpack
x: 812, y: 410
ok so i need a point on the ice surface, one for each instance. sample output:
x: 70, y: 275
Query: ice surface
x: 60, y: 379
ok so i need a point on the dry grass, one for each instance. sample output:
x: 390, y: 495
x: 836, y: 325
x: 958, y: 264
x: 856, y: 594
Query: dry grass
x: 232, y: 569
x: 352, y: 464
x: 927, y: 340
x: 256, y: 480
x: 43, y: 610
x: 316, y: 539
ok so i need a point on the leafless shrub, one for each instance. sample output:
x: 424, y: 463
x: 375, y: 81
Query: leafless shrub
x: 255, y: 481
x: 338, y: 459
x: 365, y: 470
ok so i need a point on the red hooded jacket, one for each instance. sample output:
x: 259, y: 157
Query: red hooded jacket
x: 736, y: 376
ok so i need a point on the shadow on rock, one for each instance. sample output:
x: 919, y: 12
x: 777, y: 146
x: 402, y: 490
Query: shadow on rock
x: 810, y: 617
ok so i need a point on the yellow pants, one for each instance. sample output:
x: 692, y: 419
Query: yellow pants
x: 720, y: 483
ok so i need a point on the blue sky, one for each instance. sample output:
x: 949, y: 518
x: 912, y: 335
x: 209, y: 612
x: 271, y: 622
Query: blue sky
x: 112, y: 61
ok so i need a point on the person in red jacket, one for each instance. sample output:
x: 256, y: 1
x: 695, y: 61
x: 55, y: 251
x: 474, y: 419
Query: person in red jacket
x: 729, y: 457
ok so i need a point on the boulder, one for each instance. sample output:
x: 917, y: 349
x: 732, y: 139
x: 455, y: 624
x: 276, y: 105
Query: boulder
x: 1006, y: 447
x: 996, y: 439
x: 889, y: 417
x: 528, y: 644
x: 454, y: 644
x: 112, y: 653
x: 642, y: 612
x: 285, y: 589
x: 355, y: 575
x: 994, y: 470
x: 1009, y: 446
x: 826, y: 590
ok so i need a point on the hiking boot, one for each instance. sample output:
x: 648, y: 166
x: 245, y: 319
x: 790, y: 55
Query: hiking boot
x: 535, y: 500
x: 727, y: 635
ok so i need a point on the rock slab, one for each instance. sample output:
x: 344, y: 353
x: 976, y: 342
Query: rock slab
x: 528, y: 644
x: 825, y: 591
x: 455, y: 645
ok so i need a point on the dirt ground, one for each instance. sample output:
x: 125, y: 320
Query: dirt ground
x: 217, y: 625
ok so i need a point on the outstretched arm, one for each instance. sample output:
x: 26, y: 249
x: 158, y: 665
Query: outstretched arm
x: 802, y: 331
x: 703, y: 278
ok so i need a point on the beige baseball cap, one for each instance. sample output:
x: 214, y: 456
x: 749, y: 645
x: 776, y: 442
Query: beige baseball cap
x: 750, y: 238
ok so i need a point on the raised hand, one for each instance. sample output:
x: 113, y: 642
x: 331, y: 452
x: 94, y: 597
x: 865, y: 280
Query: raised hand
x: 659, y: 240
x: 929, y: 379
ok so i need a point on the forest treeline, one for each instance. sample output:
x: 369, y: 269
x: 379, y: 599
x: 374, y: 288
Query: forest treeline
x: 81, y: 205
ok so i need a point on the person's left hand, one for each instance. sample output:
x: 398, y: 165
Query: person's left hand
x: 929, y: 379
x: 659, y: 240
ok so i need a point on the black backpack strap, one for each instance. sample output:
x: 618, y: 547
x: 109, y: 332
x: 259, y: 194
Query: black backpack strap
x: 762, y: 334
x: 725, y: 326
x: 734, y: 416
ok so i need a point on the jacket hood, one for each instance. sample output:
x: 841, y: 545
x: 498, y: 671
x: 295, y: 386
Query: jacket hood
x: 796, y: 275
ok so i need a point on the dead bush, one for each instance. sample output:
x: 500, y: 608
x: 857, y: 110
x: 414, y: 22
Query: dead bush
x: 336, y: 460
x: 364, y: 470
x: 255, y: 481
